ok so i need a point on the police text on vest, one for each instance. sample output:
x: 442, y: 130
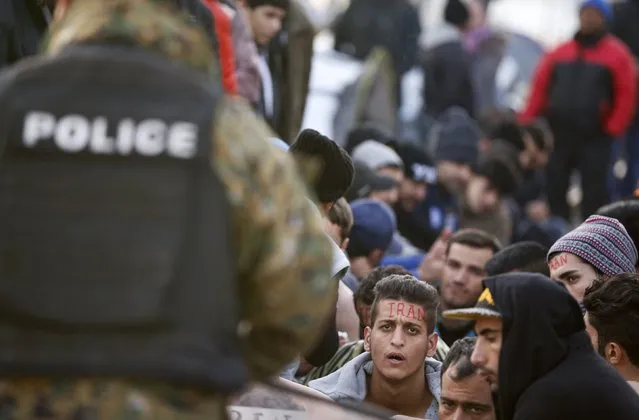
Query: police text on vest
x: 76, y: 133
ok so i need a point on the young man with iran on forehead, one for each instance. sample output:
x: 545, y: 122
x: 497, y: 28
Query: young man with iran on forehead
x: 397, y: 371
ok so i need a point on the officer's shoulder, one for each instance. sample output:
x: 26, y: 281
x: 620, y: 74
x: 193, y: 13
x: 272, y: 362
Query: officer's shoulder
x: 10, y: 76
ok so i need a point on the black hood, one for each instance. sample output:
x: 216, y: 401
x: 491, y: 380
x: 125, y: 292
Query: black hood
x: 539, y: 317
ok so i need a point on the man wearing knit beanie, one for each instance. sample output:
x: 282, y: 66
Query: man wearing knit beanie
x: 380, y: 158
x: 599, y: 247
x: 336, y: 170
x: 455, y: 141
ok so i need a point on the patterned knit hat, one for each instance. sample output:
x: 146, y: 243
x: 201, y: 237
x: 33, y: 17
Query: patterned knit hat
x: 601, y: 242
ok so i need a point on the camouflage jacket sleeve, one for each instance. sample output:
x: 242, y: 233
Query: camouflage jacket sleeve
x: 283, y: 255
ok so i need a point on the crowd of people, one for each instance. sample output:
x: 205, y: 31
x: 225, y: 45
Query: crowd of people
x: 146, y: 152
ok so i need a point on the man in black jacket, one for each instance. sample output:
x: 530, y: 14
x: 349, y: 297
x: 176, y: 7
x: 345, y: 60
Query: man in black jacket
x: 532, y: 346
x: 447, y: 65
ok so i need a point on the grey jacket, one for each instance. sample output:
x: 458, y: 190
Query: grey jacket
x: 348, y: 384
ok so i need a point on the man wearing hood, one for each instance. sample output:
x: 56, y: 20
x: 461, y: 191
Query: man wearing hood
x: 397, y: 371
x: 532, y: 346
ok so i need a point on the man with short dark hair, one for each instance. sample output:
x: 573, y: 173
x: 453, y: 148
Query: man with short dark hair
x: 465, y: 393
x: 612, y: 322
x: 363, y: 299
x: 525, y: 256
x: 397, y: 371
x: 466, y: 256
x: 266, y: 18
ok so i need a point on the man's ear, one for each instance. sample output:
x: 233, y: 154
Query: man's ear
x: 614, y: 353
x: 367, y: 339
x: 432, y: 344
x: 344, y: 245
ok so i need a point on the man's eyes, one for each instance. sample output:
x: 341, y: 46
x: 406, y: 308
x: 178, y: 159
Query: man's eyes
x: 573, y: 279
x: 449, y: 405
x: 477, y: 410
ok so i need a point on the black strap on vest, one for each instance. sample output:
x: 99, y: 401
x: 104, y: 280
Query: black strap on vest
x: 115, y: 258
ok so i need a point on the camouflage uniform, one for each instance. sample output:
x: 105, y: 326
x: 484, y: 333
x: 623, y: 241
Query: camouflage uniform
x: 283, y: 255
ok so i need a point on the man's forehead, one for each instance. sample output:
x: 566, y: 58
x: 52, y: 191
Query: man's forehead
x: 468, y: 254
x: 471, y: 389
x: 565, y: 261
x: 488, y: 323
x: 400, y: 309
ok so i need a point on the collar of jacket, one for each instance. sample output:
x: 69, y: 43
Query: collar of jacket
x: 589, y: 40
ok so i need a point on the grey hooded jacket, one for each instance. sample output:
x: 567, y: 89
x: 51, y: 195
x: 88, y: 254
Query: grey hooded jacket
x: 348, y: 384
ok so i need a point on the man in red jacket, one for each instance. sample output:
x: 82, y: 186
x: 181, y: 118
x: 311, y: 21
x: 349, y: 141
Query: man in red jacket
x: 586, y: 88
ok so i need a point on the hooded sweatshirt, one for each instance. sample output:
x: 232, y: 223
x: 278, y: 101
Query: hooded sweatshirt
x: 349, y: 384
x: 548, y: 368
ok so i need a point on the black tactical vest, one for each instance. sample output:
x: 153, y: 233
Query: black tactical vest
x: 115, y: 257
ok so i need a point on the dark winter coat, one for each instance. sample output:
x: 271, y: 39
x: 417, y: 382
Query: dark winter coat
x: 548, y: 368
x: 447, y: 72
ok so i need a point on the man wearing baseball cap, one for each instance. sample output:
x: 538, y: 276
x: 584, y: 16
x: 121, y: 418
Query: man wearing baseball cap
x: 419, y: 174
x: 532, y: 346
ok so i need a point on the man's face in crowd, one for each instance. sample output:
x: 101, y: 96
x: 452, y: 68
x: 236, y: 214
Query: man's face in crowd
x: 462, y: 275
x: 465, y: 399
x: 389, y: 196
x: 477, y: 14
x: 398, y: 340
x: 481, y: 197
x: 486, y: 354
x: 573, y: 272
x: 591, y: 21
x: 411, y: 193
x: 266, y: 22
x: 454, y: 176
